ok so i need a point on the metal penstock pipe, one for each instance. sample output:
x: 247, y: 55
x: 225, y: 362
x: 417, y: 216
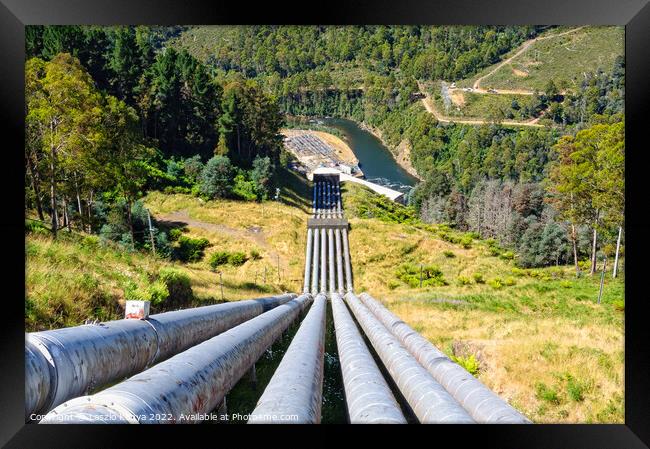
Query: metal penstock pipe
x: 367, y: 394
x: 339, y: 261
x: 481, y: 402
x: 84, y: 357
x: 188, y: 385
x: 305, y: 288
x: 315, y: 262
x: 323, y: 261
x: 330, y: 255
x: 346, y: 256
x: 430, y: 402
x: 296, y: 388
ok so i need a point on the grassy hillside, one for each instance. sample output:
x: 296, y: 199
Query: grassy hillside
x: 79, y: 276
x: 562, y: 59
x: 539, y: 337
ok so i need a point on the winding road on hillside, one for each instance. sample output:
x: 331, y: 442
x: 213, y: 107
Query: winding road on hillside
x: 429, y: 104
x: 476, y: 88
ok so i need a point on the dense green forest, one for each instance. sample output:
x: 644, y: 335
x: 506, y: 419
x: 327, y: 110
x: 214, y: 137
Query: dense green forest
x: 370, y: 74
x: 199, y: 109
x: 111, y: 114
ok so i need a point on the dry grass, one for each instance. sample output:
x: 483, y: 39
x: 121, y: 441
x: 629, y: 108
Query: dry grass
x: 545, y: 329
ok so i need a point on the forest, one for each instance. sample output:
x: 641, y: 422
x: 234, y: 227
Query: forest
x: 198, y: 110
x: 111, y: 114
x: 370, y: 74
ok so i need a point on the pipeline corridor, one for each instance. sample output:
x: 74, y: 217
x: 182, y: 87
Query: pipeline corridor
x: 183, y: 364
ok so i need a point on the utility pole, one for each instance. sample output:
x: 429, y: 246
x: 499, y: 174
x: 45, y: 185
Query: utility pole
x: 153, y: 242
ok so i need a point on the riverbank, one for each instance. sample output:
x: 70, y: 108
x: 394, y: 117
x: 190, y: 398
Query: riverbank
x: 401, y: 153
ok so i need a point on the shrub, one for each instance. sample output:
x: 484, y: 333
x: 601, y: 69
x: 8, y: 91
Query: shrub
x: 478, y: 278
x: 190, y: 249
x: 36, y: 227
x: 178, y: 285
x: 509, y: 281
x: 90, y: 242
x: 494, y: 251
x: 449, y: 254
x: 175, y: 234
x: 464, y: 280
x: 466, y: 241
x: 393, y: 284
x: 495, y: 283
x: 237, y: 259
x: 619, y: 305
x: 508, y: 255
x: 410, y: 274
x: 255, y: 254
x: 565, y: 284
x: 576, y: 389
x: 469, y: 363
x: 155, y: 292
x: 244, y: 188
x: 547, y: 394
x: 518, y: 272
x: 177, y: 189
x: 218, y: 258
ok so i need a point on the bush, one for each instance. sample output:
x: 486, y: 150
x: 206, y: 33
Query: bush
x: 619, y: 305
x: 495, y: 283
x: 410, y: 274
x: 469, y: 363
x: 155, y: 292
x: 494, y: 251
x: 393, y: 284
x: 190, y: 249
x: 509, y: 281
x: 466, y: 241
x: 177, y: 189
x: 244, y: 188
x: 36, y: 227
x: 223, y: 257
x: 449, y: 254
x: 178, y: 285
x: 237, y: 259
x: 576, y: 389
x: 508, y: 255
x: 255, y: 254
x: 547, y: 394
x: 175, y: 234
x: 478, y: 278
x: 219, y: 258
x: 90, y: 242
x: 519, y: 272
x: 464, y: 280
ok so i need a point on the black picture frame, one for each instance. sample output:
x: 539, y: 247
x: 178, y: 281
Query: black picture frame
x: 634, y: 14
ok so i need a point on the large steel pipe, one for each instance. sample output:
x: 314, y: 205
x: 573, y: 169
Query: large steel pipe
x: 295, y: 391
x: 430, y: 402
x: 339, y: 261
x: 315, y: 201
x: 368, y: 396
x: 330, y: 247
x: 346, y: 255
x: 315, y: 262
x: 306, y: 285
x: 192, y: 383
x: 481, y: 402
x: 84, y: 357
x: 323, y: 261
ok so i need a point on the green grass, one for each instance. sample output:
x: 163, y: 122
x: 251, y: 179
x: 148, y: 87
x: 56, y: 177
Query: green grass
x: 484, y: 106
x: 562, y: 59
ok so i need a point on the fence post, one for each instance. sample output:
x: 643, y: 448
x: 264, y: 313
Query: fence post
x: 602, y: 279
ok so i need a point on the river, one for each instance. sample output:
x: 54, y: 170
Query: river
x: 375, y: 160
